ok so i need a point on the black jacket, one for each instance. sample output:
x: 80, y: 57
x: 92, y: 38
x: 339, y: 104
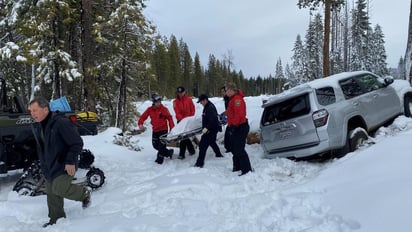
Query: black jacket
x: 210, y: 118
x: 60, y: 145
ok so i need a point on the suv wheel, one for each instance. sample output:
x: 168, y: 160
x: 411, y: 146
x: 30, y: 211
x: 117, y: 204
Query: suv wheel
x: 357, y: 137
x: 407, y: 102
x: 354, y: 140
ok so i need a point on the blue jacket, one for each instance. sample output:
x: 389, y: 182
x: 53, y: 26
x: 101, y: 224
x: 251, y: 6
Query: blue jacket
x: 58, y: 144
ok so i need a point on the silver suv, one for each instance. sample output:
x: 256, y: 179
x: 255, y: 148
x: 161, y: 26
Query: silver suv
x: 332, y: 115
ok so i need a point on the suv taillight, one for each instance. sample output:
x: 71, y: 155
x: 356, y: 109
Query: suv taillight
x: 320, y: 117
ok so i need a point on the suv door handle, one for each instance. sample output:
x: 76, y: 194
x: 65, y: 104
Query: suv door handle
x: 355, y: 103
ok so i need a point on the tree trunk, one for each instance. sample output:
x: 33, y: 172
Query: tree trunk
x: 121, y: 104
x: 408, y: 54
x: 87, y: 51
x: 326, y: 68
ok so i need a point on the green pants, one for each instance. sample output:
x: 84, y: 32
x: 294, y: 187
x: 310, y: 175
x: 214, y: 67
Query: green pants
x: 58, y: 189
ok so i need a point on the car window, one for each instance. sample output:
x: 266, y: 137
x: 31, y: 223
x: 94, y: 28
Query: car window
x: 285, y: 110
x: 369, y: 83
x: 350, y: 88
x: 326, y: 96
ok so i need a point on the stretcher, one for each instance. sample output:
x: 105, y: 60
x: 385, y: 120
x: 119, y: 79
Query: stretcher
x: 185, y: 129
x: 168, y: 138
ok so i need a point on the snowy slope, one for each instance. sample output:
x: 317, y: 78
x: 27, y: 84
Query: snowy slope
x: 367, y: 190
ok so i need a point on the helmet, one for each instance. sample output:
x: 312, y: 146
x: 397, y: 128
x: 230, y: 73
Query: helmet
x: 156, y: 97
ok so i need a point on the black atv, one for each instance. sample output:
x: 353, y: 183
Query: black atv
x: 18, y: 146
x: 33, y: 183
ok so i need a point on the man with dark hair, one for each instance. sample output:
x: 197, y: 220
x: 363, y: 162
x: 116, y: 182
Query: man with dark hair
x: 238, y: 129
x: 225, y: 97
x: 184, y: 107
x: 58, y: 146
x: 210, y: 127
x: 161, y: 121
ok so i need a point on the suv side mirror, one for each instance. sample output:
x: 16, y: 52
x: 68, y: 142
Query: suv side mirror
x: 388, y: 80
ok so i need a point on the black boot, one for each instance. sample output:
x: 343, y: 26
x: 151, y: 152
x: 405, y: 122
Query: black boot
x: 199, y: 165
x: 170, y: 153
x: 159, y: 159
x: 50, y: 223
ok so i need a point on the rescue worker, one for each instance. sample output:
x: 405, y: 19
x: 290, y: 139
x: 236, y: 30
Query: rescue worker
x: 223, y: 117
x: 162, y: 122
x: 184, y: 107
x: 238, y: 129
x: 210, y: 128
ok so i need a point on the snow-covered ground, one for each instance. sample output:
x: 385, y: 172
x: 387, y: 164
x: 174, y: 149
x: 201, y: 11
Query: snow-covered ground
x: 368, y: 190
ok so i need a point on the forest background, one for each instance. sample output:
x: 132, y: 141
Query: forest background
x: 103, y: 55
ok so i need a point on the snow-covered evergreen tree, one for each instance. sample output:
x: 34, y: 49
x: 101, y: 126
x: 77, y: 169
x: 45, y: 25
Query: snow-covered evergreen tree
x: 359, y: 41
x: 125, y: 41
x: 376, y: 53
x: 314, y: 45
x: 298, y: 63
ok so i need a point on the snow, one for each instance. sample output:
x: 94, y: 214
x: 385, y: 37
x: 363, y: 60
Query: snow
x: 367, y: 190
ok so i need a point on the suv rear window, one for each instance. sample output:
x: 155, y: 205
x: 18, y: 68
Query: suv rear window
x: 285, y: 110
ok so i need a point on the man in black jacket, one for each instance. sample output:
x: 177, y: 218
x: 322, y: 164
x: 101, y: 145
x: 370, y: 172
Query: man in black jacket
x: 210, y: 127
x: 58, y: 147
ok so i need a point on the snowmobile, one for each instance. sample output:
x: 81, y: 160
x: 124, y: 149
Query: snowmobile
x: 33, y: 183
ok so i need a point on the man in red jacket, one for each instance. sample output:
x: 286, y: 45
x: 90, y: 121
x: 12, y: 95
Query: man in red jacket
x: 238, y: 129
x: 184, y: 107
x: 161, y: 121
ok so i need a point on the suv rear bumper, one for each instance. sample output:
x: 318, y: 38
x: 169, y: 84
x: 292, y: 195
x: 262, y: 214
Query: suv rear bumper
x: 300, y: 152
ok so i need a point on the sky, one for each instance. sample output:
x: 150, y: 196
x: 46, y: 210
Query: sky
x: 368, y: 190
x: 258, y: 34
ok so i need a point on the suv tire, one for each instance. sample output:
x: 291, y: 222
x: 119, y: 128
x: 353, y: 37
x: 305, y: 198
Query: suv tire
x: 357, y: 137
x: 407, y: 102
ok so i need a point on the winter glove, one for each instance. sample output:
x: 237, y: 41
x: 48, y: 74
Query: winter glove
x: 222, y: 119
x: 205, y: 130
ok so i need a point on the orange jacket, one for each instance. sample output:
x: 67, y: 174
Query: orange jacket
x: 159, y: 118
x: 183, y: 107
x: 236, y: 110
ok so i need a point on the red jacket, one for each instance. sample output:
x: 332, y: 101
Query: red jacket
x: 236, y: 110
x: 159, y: 118
x: 183, y: 107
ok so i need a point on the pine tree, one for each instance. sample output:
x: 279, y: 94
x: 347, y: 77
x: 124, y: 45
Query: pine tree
x: 279, y: 75
x: 125, y: 43
x: 329, y: 5
x: 161, y: 67
x: 400, y: 71
x: 187, y: 66
x: 359, y: 31
x: 175, y: 76
x: 298, y: 63
x: 314, y: 43
x: 198, y: 76
x: 377, y: 53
